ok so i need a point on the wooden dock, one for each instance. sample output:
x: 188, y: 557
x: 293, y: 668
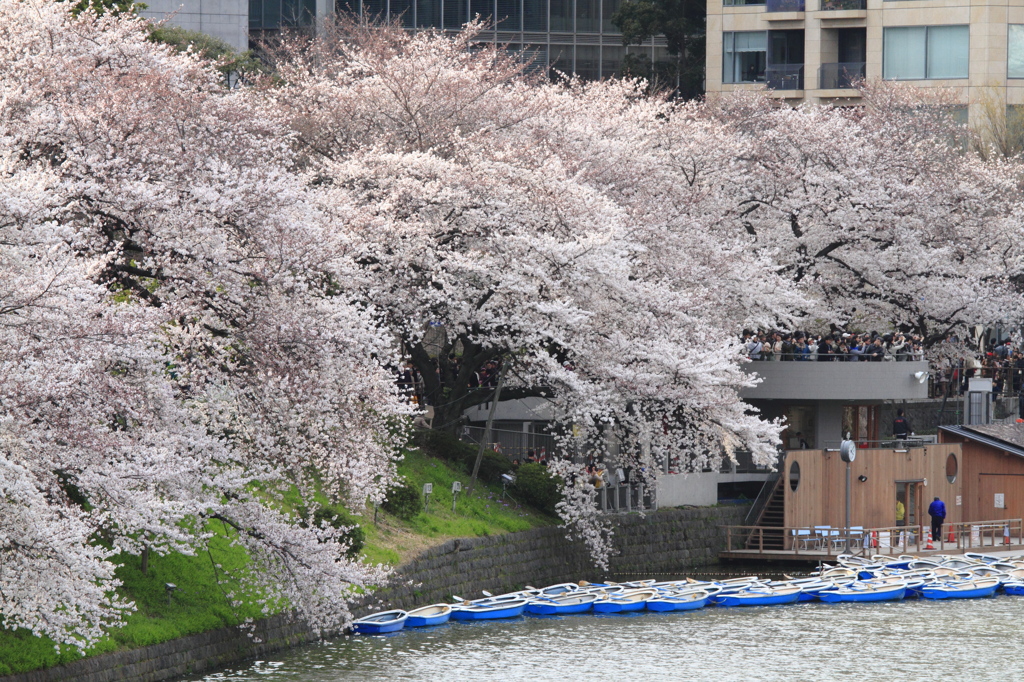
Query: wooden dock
x: 814, y: 546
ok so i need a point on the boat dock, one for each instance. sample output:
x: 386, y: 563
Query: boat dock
x: 823, y: 544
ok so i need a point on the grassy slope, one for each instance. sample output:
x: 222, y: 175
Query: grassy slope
x: 393, y: 541
x: 199, y: 603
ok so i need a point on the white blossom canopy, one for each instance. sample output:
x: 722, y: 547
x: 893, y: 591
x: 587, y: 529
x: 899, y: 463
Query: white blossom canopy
x: 173, y: 344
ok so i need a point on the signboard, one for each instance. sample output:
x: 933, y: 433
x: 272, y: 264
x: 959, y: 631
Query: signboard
x: 1000, y: 502
x: 959, y: 500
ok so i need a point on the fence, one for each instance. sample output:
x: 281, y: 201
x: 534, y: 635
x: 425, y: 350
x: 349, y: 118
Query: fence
x: 785, y: 76
x: 826, y: 541
x: 840, y: 75
x: 512, y: 444
x: 624, y: 497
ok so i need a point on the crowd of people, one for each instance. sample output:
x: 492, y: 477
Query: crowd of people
x: 998, y: 359
x: 832, y: 347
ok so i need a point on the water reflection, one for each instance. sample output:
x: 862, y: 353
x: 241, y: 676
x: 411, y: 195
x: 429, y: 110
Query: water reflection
x: 912, y: 640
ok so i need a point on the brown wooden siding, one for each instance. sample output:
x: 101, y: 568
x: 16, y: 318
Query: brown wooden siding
x: 985, y: 471
x: 820, y: 498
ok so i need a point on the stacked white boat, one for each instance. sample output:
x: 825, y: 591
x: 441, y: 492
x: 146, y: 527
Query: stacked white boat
x: 852, y: 579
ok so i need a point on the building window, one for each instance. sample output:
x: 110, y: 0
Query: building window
x: 919, y: 52
x: 743, y: 56
x: 951, y: 468
x: 1015, y: 51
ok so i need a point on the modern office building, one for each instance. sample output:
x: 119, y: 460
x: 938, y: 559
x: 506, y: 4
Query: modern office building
x: 227, y: 20
x: 813, y: 50
x: 572, y: 36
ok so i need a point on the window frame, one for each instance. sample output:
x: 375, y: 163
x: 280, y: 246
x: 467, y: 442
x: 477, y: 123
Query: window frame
x: 927, y: 76
x: 732, y: 37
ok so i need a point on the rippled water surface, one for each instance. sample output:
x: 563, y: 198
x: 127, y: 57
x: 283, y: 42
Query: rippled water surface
x: 969, y: 640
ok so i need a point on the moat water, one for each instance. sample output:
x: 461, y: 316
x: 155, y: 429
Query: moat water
x: 970, y: 640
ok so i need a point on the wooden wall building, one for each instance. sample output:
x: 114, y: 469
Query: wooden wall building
x: 992, y: 473
x: 815, y: 486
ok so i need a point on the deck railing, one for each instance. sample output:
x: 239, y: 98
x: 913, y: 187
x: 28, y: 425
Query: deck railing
x: 827, y: 541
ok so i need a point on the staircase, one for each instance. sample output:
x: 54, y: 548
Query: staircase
x: 772, y: 519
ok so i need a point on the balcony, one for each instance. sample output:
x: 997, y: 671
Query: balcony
x: 784, y: 5
x: 845, y: 381
x: 785, y: 76
x: 840, y: 76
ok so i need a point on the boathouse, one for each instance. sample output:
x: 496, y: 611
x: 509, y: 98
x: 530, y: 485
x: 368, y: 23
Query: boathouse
x: 991, y: 470
x: 813, y: 486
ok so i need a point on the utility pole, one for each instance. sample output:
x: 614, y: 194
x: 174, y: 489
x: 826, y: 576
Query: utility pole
x: 487, y: 430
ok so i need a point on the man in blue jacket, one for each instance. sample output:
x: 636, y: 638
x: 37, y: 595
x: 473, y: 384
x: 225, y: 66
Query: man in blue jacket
x: 937, y: 510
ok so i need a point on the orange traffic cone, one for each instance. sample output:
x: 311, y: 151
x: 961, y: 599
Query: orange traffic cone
x: 952, y: 535
x: 874, y: 538
x: 930, y: 545
x: 1006, y: 535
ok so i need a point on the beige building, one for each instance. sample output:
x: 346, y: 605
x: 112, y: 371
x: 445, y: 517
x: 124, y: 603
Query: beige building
x: 811, y: 50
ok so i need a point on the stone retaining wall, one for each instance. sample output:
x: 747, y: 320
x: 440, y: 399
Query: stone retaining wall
x: 177, y: 657
x: 668, y: 542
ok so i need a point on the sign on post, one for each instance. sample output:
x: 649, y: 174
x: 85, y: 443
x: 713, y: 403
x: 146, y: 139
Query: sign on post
x: 427, y: 489
x: 456, y: 489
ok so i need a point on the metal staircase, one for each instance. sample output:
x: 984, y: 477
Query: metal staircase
x: 771, y: 516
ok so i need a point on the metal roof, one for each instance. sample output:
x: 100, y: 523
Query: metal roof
x: 996, y: 436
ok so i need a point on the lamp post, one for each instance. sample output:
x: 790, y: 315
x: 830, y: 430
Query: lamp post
x: 848, y: 453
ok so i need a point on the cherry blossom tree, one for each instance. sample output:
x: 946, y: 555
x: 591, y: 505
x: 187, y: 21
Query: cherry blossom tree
x: 521, y: 219
x: 174, y: 345
x: 880, y: 214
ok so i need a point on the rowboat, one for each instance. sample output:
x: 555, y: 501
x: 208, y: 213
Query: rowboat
x: 436, y: 614
x: 679, y: 601
x: 864, y: 592
x: 490, y: 611
x: 379, y: 623
x: 556, y: 590
x: 967, y: 589
x: 634, y: 600
x: 569, y: 603
x: 761, y: 595
x: 1014, y: 588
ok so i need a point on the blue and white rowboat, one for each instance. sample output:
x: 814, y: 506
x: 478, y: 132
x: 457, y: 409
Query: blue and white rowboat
x: 679, y: 602
x: 379, y: 623
x: 757, y: 596
x: 553, y: 606
x: 501, y: 609
x: 863, y: 592
x: 1014, y: 588
x: 970, y: 589
x: 634, y: 600
x: 437, y: 614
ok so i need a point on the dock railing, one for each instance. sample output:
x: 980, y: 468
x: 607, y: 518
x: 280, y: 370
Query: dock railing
x: 827, y: 541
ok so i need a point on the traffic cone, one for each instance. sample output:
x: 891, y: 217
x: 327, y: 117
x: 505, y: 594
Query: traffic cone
x: 1006, y: 535
x: 952, y: 535
x: 874, y: 538
x: 930, y: 545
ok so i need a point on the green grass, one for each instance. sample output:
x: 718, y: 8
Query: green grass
x: 199, y: 604
x: 483, y: 513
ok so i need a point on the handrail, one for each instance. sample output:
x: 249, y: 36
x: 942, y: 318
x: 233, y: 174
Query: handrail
x: 828, y: 541
x: 763, y: 496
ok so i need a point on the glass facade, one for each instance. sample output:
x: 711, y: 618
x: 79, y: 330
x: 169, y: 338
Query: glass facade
x: 925, y: 52
x: 278, y: 14
x: 571, y: 36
